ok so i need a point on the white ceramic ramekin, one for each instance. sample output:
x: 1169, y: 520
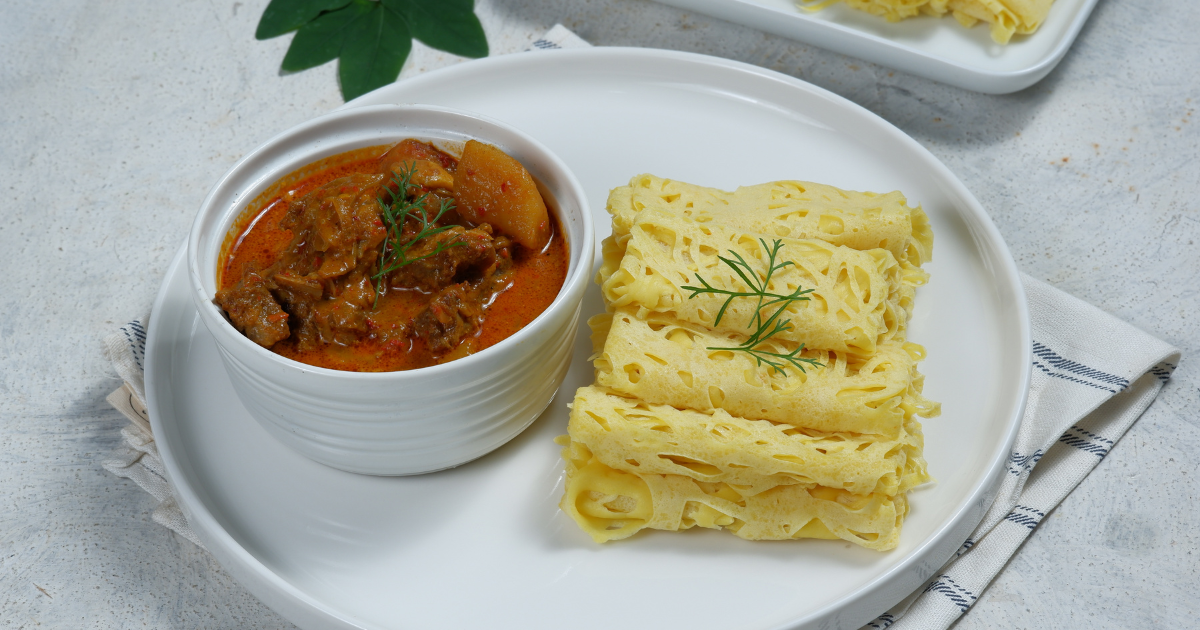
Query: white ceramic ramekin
x: 395, y: 423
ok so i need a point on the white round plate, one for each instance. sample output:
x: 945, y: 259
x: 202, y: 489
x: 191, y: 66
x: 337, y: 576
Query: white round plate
x: 485, y: 545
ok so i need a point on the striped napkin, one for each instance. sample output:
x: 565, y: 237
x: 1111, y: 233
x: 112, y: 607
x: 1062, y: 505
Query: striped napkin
x: 1093, y: 377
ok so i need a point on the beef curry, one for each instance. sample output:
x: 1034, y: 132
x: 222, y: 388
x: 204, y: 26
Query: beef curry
x: 393, y: 258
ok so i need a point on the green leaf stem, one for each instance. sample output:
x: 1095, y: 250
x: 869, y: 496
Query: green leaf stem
x: 772, y: 325
x: 394, y: 213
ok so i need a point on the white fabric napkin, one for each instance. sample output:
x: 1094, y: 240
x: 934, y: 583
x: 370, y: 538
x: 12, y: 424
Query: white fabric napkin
x: 1093, y: 377
x: 558, y: 37
x: 138, y: 457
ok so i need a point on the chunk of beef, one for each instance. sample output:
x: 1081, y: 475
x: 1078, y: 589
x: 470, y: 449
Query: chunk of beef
x: 322, y: 276
x: 415, y: 149
x: 254, y: 311
x: 342, y: 318
x: 299, y: 284
x: 333, y: 227
x: 468, y: 255
x: 422, y: 174
x: 454, y: 313
x: 334, y: 313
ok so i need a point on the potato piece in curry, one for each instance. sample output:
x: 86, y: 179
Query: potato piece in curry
x: 492, y: 187
x: 372, y: 261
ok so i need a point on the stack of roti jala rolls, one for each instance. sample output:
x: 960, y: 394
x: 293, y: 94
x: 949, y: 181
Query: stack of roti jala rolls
x: 774, y: 420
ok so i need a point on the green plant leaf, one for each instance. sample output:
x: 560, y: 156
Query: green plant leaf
x: 373, y: 38
x: 375, y: 48
x: 449, y: 25
x: 320, y: 41
x: 285, y: 16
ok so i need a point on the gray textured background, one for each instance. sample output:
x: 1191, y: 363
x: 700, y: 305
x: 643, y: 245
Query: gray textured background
x: 116, y: 117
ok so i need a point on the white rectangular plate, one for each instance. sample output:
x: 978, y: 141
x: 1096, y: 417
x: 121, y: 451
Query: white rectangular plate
x: 934, y: 48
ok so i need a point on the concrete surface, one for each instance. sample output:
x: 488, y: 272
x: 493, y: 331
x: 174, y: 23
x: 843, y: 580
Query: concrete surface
x: 116, y: 118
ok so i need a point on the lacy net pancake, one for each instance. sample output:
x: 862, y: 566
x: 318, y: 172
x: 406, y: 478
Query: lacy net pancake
x: 662, y: 360
x: 858, y: 297
x: 633, y: 465
x: 792, y: 209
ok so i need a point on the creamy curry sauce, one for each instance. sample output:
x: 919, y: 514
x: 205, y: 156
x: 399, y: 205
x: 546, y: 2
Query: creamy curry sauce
x: 377, y: 333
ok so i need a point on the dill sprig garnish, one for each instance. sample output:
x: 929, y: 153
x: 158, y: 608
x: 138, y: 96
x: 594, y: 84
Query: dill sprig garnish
x: 764, y: 328
x: 395, y: 213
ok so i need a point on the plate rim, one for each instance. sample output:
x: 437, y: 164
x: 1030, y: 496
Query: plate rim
x: 270, y: 588
x: 888, y: 52
x: 301, y: 608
